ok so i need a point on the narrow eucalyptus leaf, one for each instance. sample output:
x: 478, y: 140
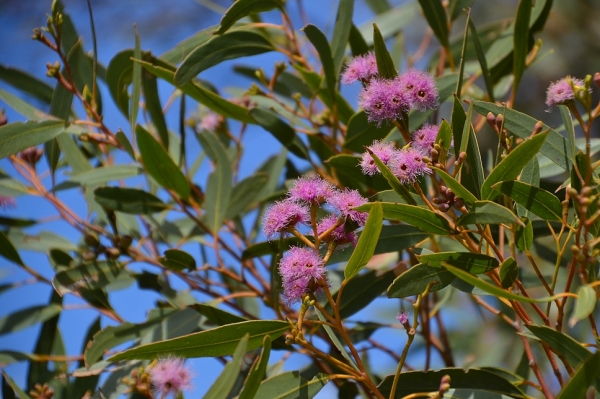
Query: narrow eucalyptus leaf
x: 243, y: 8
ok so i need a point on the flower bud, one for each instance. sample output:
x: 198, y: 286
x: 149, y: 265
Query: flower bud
x: 113, y: 253
x: 91, y: 239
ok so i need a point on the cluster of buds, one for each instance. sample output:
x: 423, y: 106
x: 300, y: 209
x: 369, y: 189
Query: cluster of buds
x: 120, y: 246
x: 41, y: 392
x: 447, y: 200
x: 138, y: 382
x: 583, y: 199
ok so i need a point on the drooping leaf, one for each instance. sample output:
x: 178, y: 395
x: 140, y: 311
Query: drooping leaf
x: 367, y: 242
x: 524, y: 234
x: 26, y: 83
x: 8, y: 251
x: 319, y: 41
x: 480, y: 382
x: 220, y: 341
x: 222, y: 386
x: 44, y: 241
x: 437, y: 20
x: 153, y: 105
x: 17, y: 136
x: 385, y: 64
x: 414, y: 281
x: 283, y: 132
x: 73, y: 154
x: 573, y: 352
x: 27, y: 317
x: 119, y: 76
x: 104, y: 174
x: 485, y: 72
x: 8, y: 384
x: 136, y: 83
x: 584, y: 305
x: 258, y: 372
x: 521, y: 41
x: 177, y: 260
x: 159, y: 164
x: 290, y: 385
x: 218, y: 190
x: 422, y: 218
x: 244, y: 8
x: 341, y: 33
x: 555, y: 146
x: 470, y: 262
x: 229, y: 46
x: 128, y: 200
x: 509, y: 271
x: 538, y: 201
x: 22, y: 107
x: 512, y: 165
x: 487, y: 212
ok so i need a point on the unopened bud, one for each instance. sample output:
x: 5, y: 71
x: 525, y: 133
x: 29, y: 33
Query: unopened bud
x: 124, y: 242
x: 89, y: 256
x: 458, y: 203
x: 37, y: 34
x: 113, y: 253
x: 91, y: 239
x: 499, y: 120
x: 491, y: 120
x: 537, y: 127
x: 444, y: 207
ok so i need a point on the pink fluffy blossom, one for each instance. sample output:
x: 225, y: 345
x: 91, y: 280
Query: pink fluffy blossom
x: 384, y: 151
x: 408, y: 165
x: 170, y: 376
x: 419, y: 89
x: 344, y: 201
x: 363, y: 68
x: 338, y: 235
x: 283, y: 215
x: 384, y: 100
x: 301, y: 269
x: 312, y: 190
x: 561, y: 91
x: 424, y: 138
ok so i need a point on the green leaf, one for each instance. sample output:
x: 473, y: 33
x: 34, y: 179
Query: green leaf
x: 393, y: 180
x: 319, y: 41
x: 182, y: 49
x: 218, y: 189
x: 23, y: 107
x: 555, y: 147
x: 480, y: 382
x: 244, y: 195
x: 128, y: 200
x: 524, y: 234
x: 215, y: 315
x: 243, y: 8
x: 540, y: 202
x: 258, y: 372
x: 17, y: 390
x: 220, y: 341
x: 463, y: 51
x: 91, y: 275
x: 52, y: 154
x: 112, y: 336
x: 361, y: 291
x: 367, y: 242
x: 27, y: 317
x: 471, y: 174
x: 291, y: 386
x: 512, y: 165
x: 268, y: 248
x: 385, y: 64
x: 521, y: 41
x: 136, y: 80
x: 335, y: 340
x: 73, y: 154
x: 205, y: 97
x: 456, y: 8
x: 584, y: 305
x: 577, y: 387
x: 458, y: 189
x: 509, y: 271
x: 15, y: 222
x: 159, y: 164
x: 283, y: 132
x: 341, y: 33
x: 485, y: 72
x: 124, y: 141
x: 470, y: 262
x: 492, y: 289
x: 224, y: 383
x: 177, y: 260
x: 358, y: 45
x: 119, y: 76
x: 26, y: 83
x: 8, y: 251
x: 437, y: 20
x: 42, y: 242
x: 17, y: 136
x: 154, y: 107
x: 422, y: 218
x: 415, y: 280
x: 487, y: 212
x: 229, y: 46
x: 361, y: 133
x: 104, y: 174
x: 444, y: 135
x: 573, y: 352
x: 569, y: 128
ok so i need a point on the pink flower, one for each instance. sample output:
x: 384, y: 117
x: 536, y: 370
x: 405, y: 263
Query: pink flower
x: 363, y: 68
x: 7, y: 202
x: 561, y: 91
x: 402, y: 317
x: 312, y: 190
x: 419, y: 88
x: 408, y: 165
x: 170, y: 375
x: 208, y: 122
x: 344, y: 201
x: 424, y: 138
x: 384, y: 100
x: 338, y: 235
x: 301, y: 269
x: 384, y: 151
x: 283, y: 215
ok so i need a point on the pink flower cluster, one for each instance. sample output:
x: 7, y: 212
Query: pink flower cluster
x: 302, y: 269
x: 170, y: 376
x: 563, y: 90
x: 387, y: 99
x: 406, y: 164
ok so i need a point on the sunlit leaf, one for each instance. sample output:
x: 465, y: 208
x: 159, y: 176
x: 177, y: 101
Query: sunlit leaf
x: 540, y: 202
x: 290, y: 385
x: 472, y: 262
x: 17, y: 136
x: 487, y: 212
x: 243, y: 8
x: 367, y: 242
x: 258, y: 372
x: 584, y: 305
x: 128, y: 200
x: 27, y: 317
x: 415, y: 280
x: 422, y: 218
x: 224, y: 383
x: 177, y: 260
